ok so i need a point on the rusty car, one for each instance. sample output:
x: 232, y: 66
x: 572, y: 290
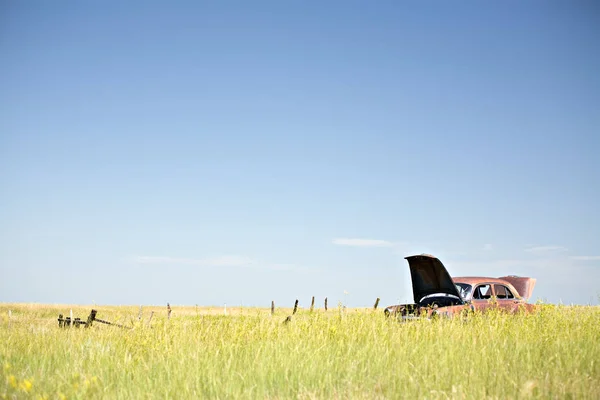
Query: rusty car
x: 436, y: 293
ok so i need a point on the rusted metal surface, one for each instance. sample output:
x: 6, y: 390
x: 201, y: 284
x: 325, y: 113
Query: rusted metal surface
x: 523, y: 285
x: 471, y: 280
x: 437, y: 294
x: 474, y: 281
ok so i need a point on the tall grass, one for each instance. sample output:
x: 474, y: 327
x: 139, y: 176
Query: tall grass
x: 201, y: 353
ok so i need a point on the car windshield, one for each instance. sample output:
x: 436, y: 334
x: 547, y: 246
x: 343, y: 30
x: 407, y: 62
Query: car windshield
x: 464, y: 289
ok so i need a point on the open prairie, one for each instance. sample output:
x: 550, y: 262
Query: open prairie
x: 352, y: 353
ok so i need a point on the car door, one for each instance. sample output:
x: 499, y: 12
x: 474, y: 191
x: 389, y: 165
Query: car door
x: 482, y: 293
x: 505, y: 298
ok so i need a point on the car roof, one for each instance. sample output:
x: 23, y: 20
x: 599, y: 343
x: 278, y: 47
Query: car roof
x: 473, y: 280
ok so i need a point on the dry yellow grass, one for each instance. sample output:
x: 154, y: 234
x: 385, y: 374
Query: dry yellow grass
x: 356, y: 353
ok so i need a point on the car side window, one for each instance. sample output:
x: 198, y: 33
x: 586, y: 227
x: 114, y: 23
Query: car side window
x: 502, y: 292
x: 482, y: 292
x: 509, y: 294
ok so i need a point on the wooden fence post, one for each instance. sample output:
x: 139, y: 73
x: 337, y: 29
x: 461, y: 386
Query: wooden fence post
x: 169, y: 311
x: 272, y: 307
x: 312, y: 304
x: 376, y: 304
x: 295, y: 307
x: 325, y: 303
x: 150, y: 319
x: 91, y: 318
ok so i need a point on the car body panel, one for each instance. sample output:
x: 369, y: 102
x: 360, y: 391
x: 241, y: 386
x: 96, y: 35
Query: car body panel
x: 523, y: 285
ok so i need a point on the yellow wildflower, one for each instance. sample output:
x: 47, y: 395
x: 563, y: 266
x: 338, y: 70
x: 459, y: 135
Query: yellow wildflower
x: 12, y: 381
x: 26, y: 385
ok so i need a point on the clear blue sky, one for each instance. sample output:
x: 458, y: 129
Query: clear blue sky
x: 243, y: 152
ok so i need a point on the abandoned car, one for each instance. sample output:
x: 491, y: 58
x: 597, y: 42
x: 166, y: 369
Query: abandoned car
x: 436, y: 293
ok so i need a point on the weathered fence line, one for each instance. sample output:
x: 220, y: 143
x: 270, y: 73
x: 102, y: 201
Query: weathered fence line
x: 295, y: 307
x: 325, y: 303
x: 76, y: 322
x: 272, y: 307
x: 312, y: 304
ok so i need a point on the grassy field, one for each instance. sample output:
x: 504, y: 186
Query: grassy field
x: 356, y: 353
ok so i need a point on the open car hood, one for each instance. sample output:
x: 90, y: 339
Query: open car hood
x: 429, y: 276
